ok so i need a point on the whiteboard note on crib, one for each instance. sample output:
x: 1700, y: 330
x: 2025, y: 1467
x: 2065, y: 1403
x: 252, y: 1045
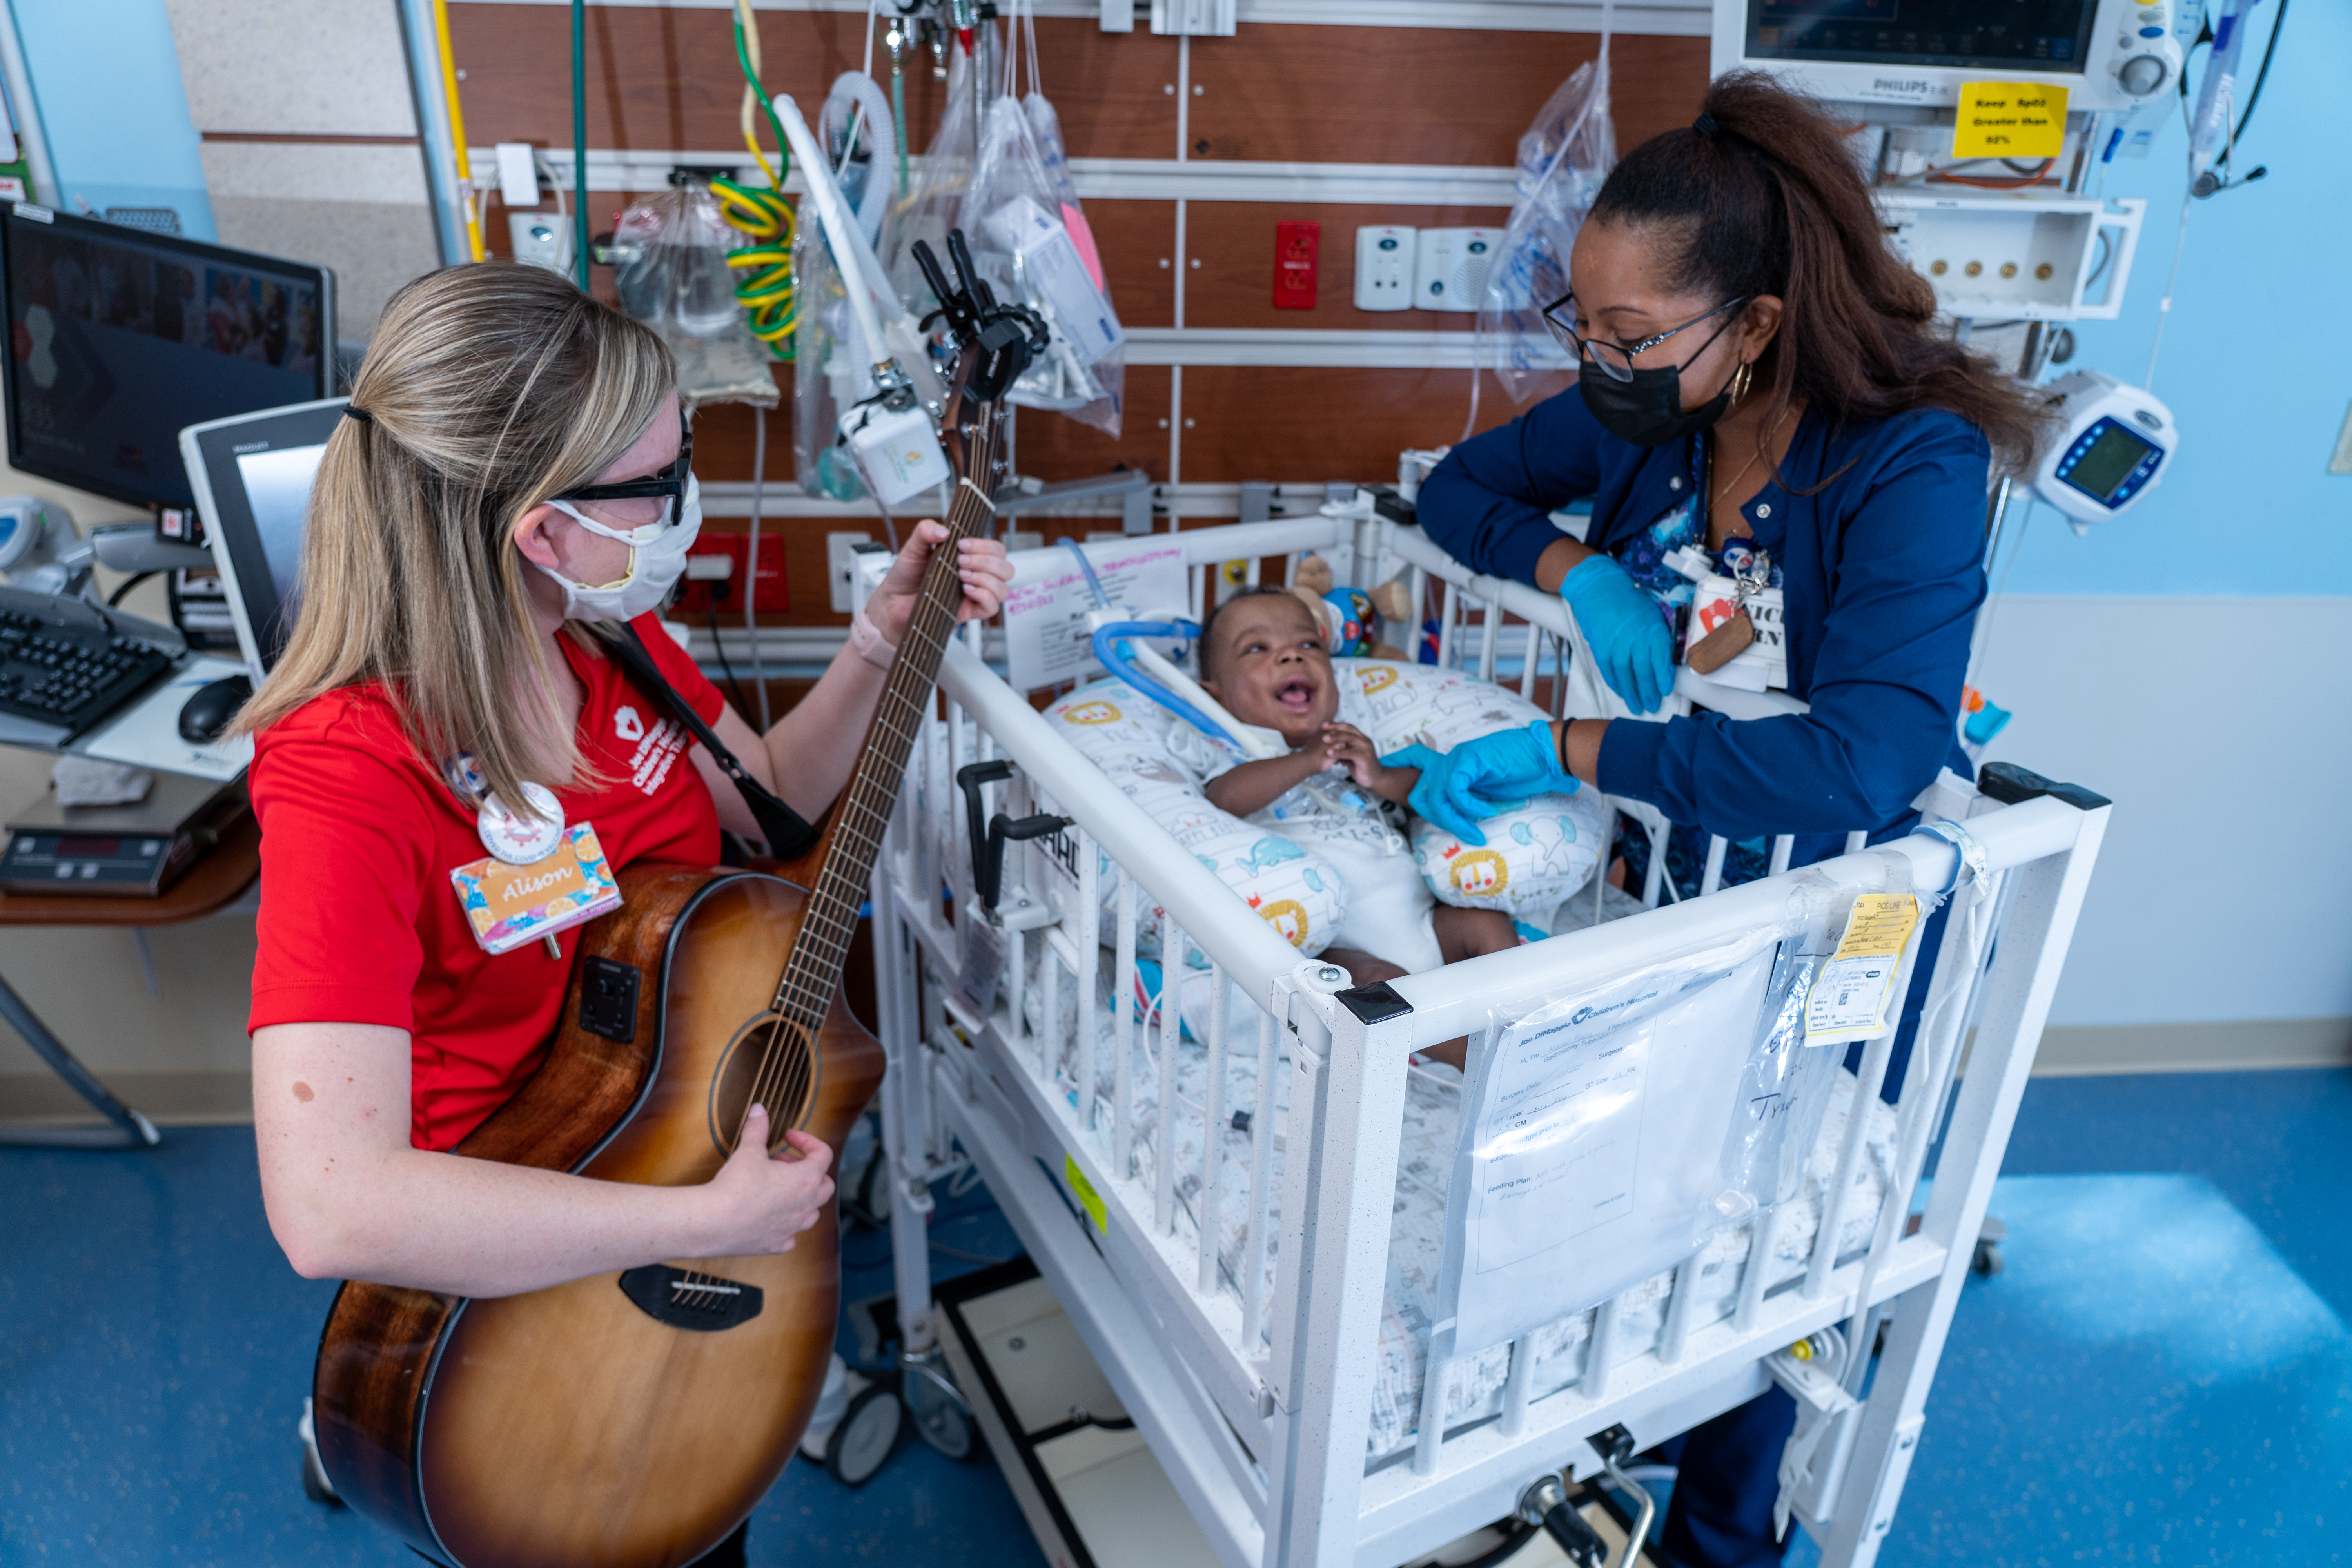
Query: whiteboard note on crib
x: 1592, y: 1151
x: 1046, y: 637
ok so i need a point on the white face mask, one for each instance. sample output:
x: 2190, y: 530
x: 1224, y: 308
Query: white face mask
x: 657, y: 561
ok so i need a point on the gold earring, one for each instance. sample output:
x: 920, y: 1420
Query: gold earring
x: 1739, y: 380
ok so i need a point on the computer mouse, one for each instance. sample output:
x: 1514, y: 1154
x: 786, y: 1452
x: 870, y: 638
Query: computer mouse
x: 207, y: 713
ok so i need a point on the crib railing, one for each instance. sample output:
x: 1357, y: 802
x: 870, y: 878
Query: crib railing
x: 1285, y: 1368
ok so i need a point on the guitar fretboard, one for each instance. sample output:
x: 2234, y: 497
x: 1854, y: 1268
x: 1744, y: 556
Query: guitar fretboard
x: 813, y: 972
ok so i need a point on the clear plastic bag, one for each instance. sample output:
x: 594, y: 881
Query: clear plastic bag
x: 835, y: 365
x: 1591, y: 1136
x: 831, y: 371
x: 677, y: 282
x: 1012, y: 214
x: 991, y: 179
x: 1563, y: 158
x: 935, y: 203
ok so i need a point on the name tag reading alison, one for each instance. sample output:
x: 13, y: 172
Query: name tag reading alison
x: 509, y: 905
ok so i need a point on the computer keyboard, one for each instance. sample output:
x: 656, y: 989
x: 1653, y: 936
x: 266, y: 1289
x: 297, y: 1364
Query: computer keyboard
x: 70, y: 674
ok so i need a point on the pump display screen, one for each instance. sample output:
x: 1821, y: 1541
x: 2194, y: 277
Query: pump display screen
x: 2103, y: 467
x: 2027, y: 35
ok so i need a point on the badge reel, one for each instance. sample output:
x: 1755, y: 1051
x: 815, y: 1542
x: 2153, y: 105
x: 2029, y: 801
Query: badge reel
x: 543, y: 875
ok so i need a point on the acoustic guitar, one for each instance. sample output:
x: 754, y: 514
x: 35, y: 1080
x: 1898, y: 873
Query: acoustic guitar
x: 633, y: 1420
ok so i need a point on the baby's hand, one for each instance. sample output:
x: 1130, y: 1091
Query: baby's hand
x: 1345, y: 746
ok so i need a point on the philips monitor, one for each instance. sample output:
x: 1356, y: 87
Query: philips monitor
x: 251, y: 475
x: 120, y: 339
x: 2106, y: 54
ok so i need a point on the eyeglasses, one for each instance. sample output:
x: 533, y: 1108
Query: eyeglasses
x: 668, y: 484
x: 1616, y: 360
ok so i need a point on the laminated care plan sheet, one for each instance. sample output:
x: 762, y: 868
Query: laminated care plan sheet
x: 1592, y: 1148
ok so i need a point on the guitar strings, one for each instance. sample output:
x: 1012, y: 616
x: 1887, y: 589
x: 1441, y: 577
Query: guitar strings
x: 929, y: 629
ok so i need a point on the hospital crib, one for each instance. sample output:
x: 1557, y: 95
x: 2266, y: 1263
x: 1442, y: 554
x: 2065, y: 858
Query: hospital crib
x: 1256, y: 1398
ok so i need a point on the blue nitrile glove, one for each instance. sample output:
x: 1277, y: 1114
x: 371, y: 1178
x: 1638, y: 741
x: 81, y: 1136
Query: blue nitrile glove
x: 1627, y: 634
x: 1478, y: 778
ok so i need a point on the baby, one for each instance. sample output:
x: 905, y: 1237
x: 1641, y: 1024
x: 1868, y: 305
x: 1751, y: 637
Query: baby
x: 1262, y: 656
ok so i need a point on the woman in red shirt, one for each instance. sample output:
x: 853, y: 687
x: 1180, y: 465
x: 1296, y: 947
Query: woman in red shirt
x: 466, y: 561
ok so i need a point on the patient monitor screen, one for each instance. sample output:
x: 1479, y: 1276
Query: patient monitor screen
x: 2032, y: 34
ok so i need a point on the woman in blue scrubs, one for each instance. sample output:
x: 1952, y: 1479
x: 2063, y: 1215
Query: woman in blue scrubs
x: 1758, y: 373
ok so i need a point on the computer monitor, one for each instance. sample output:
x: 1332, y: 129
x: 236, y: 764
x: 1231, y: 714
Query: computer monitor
x: 120, y: 339
x: 2107, y: 54
x: 251, y: 475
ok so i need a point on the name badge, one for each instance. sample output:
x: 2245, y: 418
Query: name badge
x: 509, y: 905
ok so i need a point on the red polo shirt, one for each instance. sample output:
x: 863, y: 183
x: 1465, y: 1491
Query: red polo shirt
x: 359, y: 924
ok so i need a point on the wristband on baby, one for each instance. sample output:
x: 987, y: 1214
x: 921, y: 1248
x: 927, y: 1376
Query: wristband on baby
x: 872, y: 646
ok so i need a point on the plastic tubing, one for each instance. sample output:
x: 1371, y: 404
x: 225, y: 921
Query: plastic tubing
x: 579, y: 139
x: 1174, y: 690
x: 856, y: 89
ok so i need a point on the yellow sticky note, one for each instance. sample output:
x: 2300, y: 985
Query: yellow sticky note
x: 1849, y: 997
x: 1088, y: 1199
x: 2009, y: 119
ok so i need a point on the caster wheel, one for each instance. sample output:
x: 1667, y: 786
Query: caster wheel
x: 941, y: 1417
x: 1986, y: 1262
x: 861, y: 1445
x: 944, y: 1425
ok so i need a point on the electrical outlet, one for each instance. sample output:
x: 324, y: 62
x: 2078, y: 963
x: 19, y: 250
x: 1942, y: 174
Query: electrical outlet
x: 542, y: 239
x: 1385, y: 258
x: 1296, y: 244
x: 1450, y: 266
x: 720, y: 586
x: 841, y: 566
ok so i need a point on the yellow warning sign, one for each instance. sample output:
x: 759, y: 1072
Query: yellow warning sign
x: 2009, y: 119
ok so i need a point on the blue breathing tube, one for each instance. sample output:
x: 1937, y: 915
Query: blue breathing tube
x: 1110, y: 647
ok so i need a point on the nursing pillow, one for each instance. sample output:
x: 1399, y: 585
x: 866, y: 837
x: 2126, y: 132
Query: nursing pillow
x: 1534, y: 857
x: 1128, y: 736
x: 1536, y: 854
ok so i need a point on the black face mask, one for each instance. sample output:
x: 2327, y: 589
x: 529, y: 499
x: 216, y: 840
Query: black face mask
x: 1647, y: 410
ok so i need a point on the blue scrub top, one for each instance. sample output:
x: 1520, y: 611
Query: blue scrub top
x: 1883, y: 569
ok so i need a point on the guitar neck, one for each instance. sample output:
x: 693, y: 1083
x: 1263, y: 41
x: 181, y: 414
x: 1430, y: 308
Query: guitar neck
x: 813, y: 973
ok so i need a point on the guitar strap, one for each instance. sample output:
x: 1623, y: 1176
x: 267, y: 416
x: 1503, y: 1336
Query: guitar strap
x: 787, y: 832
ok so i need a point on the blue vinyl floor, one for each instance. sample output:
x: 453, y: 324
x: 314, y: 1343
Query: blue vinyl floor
x: 2161, y: 1373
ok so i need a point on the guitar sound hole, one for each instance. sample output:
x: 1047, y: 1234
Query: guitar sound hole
x: 776, y: 1060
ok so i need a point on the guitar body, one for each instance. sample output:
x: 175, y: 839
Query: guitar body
x: 573, y: 1426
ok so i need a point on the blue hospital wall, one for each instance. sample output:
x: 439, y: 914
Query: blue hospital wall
x: 2256, y: 361
x: 114, y: 107
x: 2188, y: 660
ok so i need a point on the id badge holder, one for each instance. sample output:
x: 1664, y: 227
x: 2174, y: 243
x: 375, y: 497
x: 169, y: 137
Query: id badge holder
x: 509, y: 905
x: 542, y: 875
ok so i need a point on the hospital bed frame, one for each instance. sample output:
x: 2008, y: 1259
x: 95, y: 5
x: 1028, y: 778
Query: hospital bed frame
x: 1265, y: 1442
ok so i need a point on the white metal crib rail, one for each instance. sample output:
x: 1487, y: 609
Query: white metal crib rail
x: 1258, y: 1406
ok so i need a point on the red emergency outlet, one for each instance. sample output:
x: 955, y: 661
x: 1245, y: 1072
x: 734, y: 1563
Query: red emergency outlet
x: 700, y: 594
x: 1295, y: 246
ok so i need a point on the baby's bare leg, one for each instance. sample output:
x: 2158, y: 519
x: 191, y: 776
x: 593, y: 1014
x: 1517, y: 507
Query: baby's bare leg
x: 1467, y: 933
x: 1472, y: 933
x: 1362, y: 968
